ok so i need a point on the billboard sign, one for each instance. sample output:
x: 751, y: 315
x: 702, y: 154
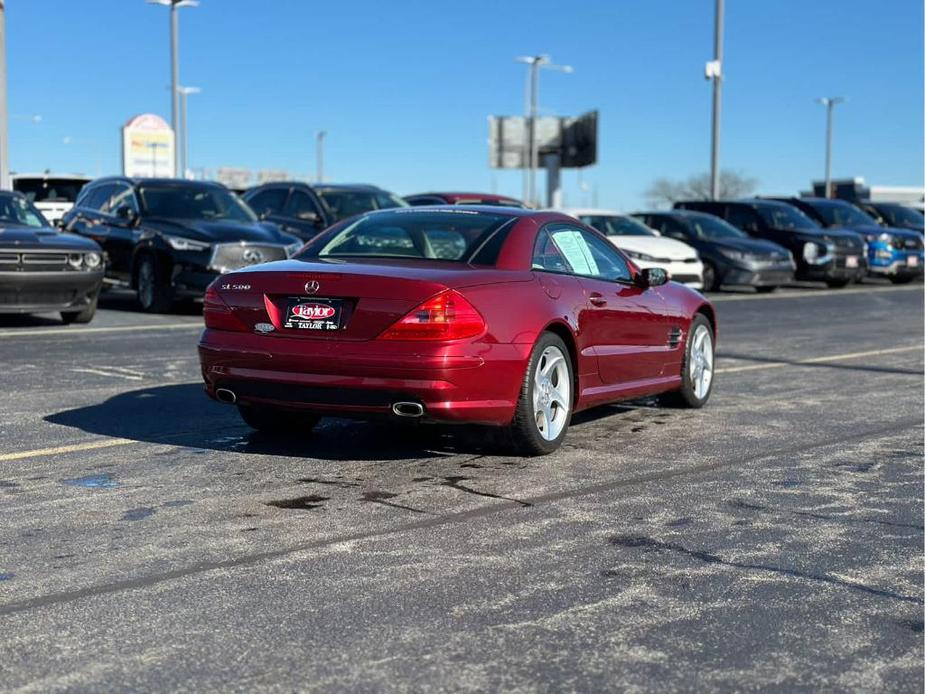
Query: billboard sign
x: 148, y: 147
x: 574, y: 139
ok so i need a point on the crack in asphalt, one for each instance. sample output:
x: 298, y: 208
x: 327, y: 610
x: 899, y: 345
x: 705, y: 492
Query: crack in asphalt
x: 746, y: 506
x: 648, y: 544
x: 436, y: 521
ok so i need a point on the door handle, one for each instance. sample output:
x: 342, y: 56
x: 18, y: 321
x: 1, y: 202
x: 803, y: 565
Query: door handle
x: 597, y: 299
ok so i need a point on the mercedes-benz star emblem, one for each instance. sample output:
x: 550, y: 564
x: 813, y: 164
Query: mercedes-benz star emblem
x: 312, y: 287
x: 252, y: 256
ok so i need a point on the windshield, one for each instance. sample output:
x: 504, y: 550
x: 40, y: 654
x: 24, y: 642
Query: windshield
x: 708, y: 227
x: 617, y: 225
x: 900, y: 215
x: 347, y: 203
x: 49, y: 189
x: 836, y: 214
x: 455, y: 235
x: 194, y: 202
x: 785, y: 217
x: 17, y: 212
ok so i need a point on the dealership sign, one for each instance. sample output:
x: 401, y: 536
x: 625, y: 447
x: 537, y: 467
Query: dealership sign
x: 147, y: 147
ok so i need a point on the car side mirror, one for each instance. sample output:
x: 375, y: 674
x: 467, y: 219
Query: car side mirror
x: 652, y: 277
x: 126, y: 215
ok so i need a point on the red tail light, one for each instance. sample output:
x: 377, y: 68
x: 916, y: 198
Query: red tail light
x: 446, y: 316
x: 217, y: 314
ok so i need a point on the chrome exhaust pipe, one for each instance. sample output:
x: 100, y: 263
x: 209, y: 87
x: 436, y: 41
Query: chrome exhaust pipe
x: 408, y: 409
x: 225, y: 395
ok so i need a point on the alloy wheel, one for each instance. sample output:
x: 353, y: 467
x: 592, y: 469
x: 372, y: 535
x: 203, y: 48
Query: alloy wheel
x: 552, y: 393
x: 700, y: 362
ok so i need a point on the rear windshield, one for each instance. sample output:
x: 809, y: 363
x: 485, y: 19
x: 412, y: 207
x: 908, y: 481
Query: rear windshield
x: 456, y: 235
x: 49, y: 189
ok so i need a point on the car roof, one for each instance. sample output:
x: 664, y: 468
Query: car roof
x: 468, y: 209
x: 141, y: 181
x: 591, y: 211
x: 676, y: 213
x: 455, y: 194
x: 348, y: 186
x: 47, y: 174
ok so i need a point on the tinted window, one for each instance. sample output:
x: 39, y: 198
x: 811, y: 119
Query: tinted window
x: 119, y: 196
x: 419, y: 200
x: 98, y: 196
x: 617, y: 225
x: 347, y: 203
x: 547, y: 256
x: 900, y: 215
x: 837, y: 214
x: 707, y: 227
x: 194, y: 202
x: 49, y: 189
x: 784, y: 217
x: 427, y: 234
x: 16, y: 211
x: 302, y: 206
x: 741, y: 217
x: 268, y: 201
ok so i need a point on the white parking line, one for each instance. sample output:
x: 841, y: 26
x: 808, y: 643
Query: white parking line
x: 821, y: 360
x: 88, y: 331
x: 815, y: 292
x: 111, y: 374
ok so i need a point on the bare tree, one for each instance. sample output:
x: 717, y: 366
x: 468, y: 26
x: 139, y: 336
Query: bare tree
x: 732, y: 184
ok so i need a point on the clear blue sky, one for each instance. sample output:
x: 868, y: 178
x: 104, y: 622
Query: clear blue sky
x: 404, y: 88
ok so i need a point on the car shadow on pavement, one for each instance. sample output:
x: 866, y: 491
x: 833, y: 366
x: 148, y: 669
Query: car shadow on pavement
x: 125, y: 300
x: 182, y: 415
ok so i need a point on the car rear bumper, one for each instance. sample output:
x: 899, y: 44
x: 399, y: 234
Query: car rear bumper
x: 39, y: 292
x: 471, y: 382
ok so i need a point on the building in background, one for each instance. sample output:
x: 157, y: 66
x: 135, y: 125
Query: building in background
x: 856, y: 190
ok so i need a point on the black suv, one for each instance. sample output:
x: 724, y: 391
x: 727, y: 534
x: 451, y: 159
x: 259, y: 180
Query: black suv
x: 170, y: 238
x: 294, y: 206
x: 729, y: 256
x: 832, y: 256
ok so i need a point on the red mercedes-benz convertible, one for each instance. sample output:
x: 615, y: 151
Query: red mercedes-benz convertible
x: 499, y: 316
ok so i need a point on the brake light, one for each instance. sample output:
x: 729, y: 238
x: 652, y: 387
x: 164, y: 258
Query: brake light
x: 216, y: 313
x: 446, y: 316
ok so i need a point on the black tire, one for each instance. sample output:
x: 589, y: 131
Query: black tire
x: 272, y: 420
x: 766, y: 290
x: 711, y: 282
x: 837, y: 284
x: 901, y: 279
x: 687, y: 396
x: 84, y: 316
x: 155, y: 293
x: 523, y: 434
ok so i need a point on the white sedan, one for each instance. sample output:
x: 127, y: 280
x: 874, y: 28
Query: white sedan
x: 645, y: 246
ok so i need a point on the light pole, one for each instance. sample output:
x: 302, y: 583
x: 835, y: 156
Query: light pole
x: 5, y: 183
x: 829, y: 103
x: 714, y: 71
x: 531, y: 153
x: 174, y: 5
x: 319, y: 155
x: 184, y: 127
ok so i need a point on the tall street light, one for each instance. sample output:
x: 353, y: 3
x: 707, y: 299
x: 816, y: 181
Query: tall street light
x: 829, y: 102
x: 319, y: 155
x: 531, y: 153
x: 174, y: 5
x: 184, y: 92
x: 5, y: 182
x: 714, y: 71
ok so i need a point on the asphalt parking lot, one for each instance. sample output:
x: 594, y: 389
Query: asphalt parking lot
x: 773, y: 540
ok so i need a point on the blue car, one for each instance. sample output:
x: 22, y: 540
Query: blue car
x: 896, y: 254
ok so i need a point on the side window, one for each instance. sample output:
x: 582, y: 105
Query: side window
x: 587, y: 254
x: 741, y: 217
x: 100, y: 195
x: 546, y: 255
x: 122, y: 197
x: 269, y: 201
x: 674, y: 229
x: 302, y: 206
